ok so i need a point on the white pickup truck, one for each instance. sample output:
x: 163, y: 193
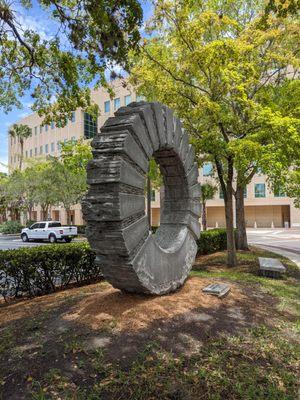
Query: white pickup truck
x: 49, y: 230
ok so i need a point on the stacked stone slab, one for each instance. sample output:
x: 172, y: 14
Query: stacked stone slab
x: 132, y: 258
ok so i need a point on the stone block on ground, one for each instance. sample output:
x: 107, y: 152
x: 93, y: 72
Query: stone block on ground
x: 217, y: 289
x: 271, y: 267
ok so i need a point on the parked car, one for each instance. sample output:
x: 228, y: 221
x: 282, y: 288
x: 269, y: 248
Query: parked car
x: 49, y: 230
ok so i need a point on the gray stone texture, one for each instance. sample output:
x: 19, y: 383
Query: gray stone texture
x: 271, y: 267
x: 132, y: 258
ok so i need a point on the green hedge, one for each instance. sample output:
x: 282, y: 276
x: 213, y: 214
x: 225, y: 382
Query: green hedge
x: 33, y: 271
x: 81, y: 229
x: 11, y: 227
x: 212, y: 241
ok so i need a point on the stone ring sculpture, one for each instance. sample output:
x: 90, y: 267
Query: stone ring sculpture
x: 132, y: 258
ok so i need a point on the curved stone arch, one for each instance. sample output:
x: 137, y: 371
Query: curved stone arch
x: 132, y: 258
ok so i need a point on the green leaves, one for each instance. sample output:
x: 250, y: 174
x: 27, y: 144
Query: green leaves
x: 40, y: 270
x: 232, y: 82
x: 85, y: 39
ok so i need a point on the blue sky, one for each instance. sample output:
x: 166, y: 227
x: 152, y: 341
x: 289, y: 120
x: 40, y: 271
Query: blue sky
x: 36, y: 19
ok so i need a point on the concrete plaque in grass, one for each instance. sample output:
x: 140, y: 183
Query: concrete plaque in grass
x: 217, y: 289
x: 271, y: 267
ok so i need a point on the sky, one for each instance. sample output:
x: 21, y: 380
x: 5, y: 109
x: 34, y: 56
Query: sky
x: 36, y: 19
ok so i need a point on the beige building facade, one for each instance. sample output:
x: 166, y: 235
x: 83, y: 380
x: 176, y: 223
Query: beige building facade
x: 263, y: 208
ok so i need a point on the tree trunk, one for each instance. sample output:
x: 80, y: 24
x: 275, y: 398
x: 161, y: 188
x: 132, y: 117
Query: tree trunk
x: 21, y: 155
x: 204, y: 219
x: 242, y: 243
x: 45, y: 212
x: 30, y: 212
x: 149, y: 202
x: 228, y: 195
x: 162, y: 200
x: 231, y: 250
x: 68, y: 212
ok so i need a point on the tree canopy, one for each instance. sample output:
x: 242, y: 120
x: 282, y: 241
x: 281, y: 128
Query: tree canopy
x: 86, y: 39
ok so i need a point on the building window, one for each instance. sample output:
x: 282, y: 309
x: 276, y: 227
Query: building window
x: 35, y: 151
x: 46, y: 148
x: 279, y: 192
x: 260, y: 190
x: 30, y: 152
x: 52, y: 125
x: 207, y: 169
x: 127, y: 99
x: 35, y: 130
x: 41, y: 129
x: 152, y: 195
x: 90, y: 126
x: 41, y: 149
x: 73, y: 139
x: 140, y: 98
x: 26, y: 154
x: 73, y: 116
x: 221, y: 194
x: 52, y: 147
x: 107, y: 107
x: 117, y: 103
x: 58, y: 146
x: 245, y: 192
x: 46, y: 128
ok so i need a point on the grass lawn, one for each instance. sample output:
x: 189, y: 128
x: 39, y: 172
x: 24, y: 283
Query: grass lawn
x: 94, y: 342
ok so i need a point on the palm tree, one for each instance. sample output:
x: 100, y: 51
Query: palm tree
x: 21, y: 132
x: 207, y: 193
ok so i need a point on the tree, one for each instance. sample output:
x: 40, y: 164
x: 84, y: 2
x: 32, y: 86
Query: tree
x: 13, y: 191
x: 87, y: 38
x: 76, y: 155
x: 45, y: 189
x: 3, y: 197
x: 212, y: 68
x: 292, y: 186
x: 70, y: 185
x: 70, y: 173
x: 207, y: 193
x: 21, y: 132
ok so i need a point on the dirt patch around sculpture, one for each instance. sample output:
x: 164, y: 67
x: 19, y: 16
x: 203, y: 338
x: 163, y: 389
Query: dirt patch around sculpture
x: 92, y: 340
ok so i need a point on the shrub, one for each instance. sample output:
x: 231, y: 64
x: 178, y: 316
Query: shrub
x: 30, y: 222
x: 38, y: 270
x: 11, y: 227
x: 154, y: 229
x: 81, y: 229
x: 212, y: 241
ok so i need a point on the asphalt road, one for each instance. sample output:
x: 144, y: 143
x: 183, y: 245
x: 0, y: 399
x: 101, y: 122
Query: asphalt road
x: 282, y: 239
x: 14, y: 242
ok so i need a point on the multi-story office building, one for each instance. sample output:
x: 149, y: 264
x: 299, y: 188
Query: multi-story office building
x: 263, y: 208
